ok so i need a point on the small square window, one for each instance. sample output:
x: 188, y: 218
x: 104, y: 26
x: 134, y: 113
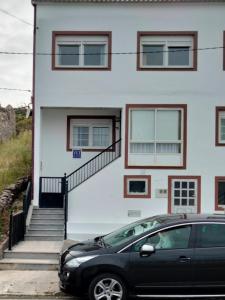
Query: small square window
x: 153, y: 55
x: 178, y: 56
x: 69, y: 55
x: 137, y: 186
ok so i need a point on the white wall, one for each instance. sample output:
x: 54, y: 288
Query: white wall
x: 202, y: 91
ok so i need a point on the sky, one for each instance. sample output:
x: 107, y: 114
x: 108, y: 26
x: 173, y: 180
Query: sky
x: 16, y: 36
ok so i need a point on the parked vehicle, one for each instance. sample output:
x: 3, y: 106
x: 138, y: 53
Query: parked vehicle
x: 163, y: 256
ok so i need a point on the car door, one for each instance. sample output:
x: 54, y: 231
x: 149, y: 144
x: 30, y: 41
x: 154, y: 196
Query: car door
x: 209, y: 257
x: 169, y: 269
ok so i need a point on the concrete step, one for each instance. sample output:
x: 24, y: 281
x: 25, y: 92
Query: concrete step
x: 28, y: 264
x: 45, y: 232
x: 31, y: 255
x: 29, y: 237
x: 47, y: 216
x: 46, y: 226
x: 47, y: 212
x: 36, y: 220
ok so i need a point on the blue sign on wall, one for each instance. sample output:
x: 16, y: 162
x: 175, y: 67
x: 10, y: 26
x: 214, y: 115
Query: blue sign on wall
x: 77, y: 153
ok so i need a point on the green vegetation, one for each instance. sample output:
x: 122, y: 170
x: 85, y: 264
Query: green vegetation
x: 15, y: 162
x: 15, y: 158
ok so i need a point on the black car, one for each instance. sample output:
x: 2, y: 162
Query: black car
x: 163, y: 256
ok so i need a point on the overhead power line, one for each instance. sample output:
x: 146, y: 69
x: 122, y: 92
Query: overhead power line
x: 15, y: 17
x: 111, y: 53
x: 12, y: 89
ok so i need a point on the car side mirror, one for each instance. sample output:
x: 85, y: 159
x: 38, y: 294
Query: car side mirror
x: 147, y: 250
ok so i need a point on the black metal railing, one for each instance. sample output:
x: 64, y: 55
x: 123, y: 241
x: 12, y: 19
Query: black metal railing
x: 65, y: 209
x: 27, y: 197
x: 94, y: 165
x: 17, y: 221
x: 16, y: 228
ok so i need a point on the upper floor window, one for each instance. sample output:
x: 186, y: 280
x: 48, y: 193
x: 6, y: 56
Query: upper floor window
x: 220, y: 126
x: 167, y: 51
x: 81, y: 50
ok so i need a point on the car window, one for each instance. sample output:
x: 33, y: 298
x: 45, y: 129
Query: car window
x: 174, y: 238
x: 211, y: 235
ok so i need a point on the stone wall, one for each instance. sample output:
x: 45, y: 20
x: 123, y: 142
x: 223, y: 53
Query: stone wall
x: 7, y: 123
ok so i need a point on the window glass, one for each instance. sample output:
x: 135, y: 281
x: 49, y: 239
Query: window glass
x: 168, y: 125
x: 80, y: 136
x: 94, y: 55
x: 152, y: 130
x: 211, y: 235
x: 142, y: 125
x: 221, y: 192
x: 137, y: 186
x: 69, y: 55
x: 101, y: 136
x: 222, y: 129
x: 176, y: 238
x: 153, y: 55
x: 128, y: 232
x: 178, y: 56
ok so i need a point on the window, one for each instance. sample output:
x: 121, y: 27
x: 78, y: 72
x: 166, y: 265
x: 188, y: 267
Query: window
x: 81, y: 50
x: 175, y: 238
x: 90, y: 133
x: 220, y: 126
x: 211, y: 235
x: 137, y: 186
x: 156, y: 134
x: 219, y: 193
x: 167, y: 51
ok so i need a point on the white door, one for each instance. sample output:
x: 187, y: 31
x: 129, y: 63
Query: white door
x: 184, y: 196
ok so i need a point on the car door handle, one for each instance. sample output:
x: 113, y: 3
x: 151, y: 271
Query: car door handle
x: 184, y: 259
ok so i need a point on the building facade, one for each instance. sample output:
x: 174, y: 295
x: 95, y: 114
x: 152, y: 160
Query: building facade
x: 131, y: 96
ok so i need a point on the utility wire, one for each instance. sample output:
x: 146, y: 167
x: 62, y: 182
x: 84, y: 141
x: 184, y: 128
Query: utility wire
x: 111, y: 53
x: 12, y: 89
x: 13, y: 16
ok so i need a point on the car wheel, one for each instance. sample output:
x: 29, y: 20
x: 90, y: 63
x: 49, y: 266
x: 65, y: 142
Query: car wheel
x: 107, y: 287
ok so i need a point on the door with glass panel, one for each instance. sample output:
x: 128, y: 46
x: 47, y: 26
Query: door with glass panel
x: 184, y: 195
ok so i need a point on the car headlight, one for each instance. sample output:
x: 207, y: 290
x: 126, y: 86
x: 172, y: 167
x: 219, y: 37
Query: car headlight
x: 76, y: 262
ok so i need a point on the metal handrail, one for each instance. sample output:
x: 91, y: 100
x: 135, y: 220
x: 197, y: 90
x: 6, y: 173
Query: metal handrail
x: 83, y: 173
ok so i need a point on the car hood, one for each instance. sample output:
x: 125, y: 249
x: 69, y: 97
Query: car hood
x: 85, y: 246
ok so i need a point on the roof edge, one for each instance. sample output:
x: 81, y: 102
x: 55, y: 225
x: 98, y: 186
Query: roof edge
x: 126, y: 1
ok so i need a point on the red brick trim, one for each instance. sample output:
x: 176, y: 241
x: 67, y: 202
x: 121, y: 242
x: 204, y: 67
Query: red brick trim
x: 217, y: 180
x: 108, y: 34
x: 170, y: 178
x: 69, y: 118
x: 194, y: 34
x: 181, y: 106
x: 218, y: 110
x: 125, y: 191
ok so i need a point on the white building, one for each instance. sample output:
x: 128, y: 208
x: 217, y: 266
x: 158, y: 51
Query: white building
x: 151, y: 73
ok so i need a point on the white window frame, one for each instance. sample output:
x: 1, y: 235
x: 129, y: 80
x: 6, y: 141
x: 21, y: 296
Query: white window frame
x: 221, y: 117
x: 137, y: 179
x: 166, y: 42
x: 81, y: 41
x: 90, y: 123
x: 155, y: 142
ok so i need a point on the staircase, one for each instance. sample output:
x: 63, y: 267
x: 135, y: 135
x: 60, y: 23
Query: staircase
x: 42, y: 244
x: 46, y: 225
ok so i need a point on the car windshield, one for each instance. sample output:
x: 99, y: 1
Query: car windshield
x: 127, y: 233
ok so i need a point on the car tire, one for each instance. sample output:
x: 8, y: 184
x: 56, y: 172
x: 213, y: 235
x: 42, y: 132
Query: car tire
x: 107, y: 286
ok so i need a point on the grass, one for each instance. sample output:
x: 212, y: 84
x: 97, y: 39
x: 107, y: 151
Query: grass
x: 15, y: 162
x: 15, y: 159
